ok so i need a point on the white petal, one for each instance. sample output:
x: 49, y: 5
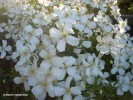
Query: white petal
x: 72, y: 40
x: 8, y: 48
x: 51, y: 91
x: 17, y: 80
x: 80, y: 27
x: 88, y: 71
x: 42, y: 96
x: 125, y: 88
x: 92, y: 25
x: 3, y: 54
x: 68, y: 28
x: 57, y: 61
x: 87, y: 44
x: 37, y: 90
x: 107, y: 28
x: 28, y: 28
x: 43, y: 53
x: 59, y: 91
x: 125, y: 64
x: 34, y: 40
x: 85, y: 63
x: 86, y: 1
x: 32, y: 81
x: 68, y: 81
x: 104, y: 49
x: 90, y: 58
x: 127, y: 79
x: 71, y: 71
x: 70, y: 61
x: 61, y: 45
x: 4, y: 42
x: 75, y: 90
x: 79, y: 97
x: 67, y: 97
x: 32, y: 47
x: 106, y: 74
x: 121, y: 71
x: 90, y: 80
x: 55, y: 33
x: 38, y: 32
x: 26, y: 86
x: 44, y: 66
x: 7, y: 36
x: 119, y: 92
x: 88, y: 31
x: 21, y: 61
x: 114, y: 70
x: 59, y: 73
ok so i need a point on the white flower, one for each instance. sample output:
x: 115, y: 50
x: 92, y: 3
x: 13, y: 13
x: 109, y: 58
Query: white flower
x: 39, y: 19
x: 66, y: 90
x: 119, y: 69
x: 103, y: 78
x: 32, y: 34
x: 24, y: 51
x: 123, y: 85
x: 107, y: 44
x: 64, y: 38
x: 93, y: 66
x: 4, y: 48
x: 48, y: 55
x: 66, y: 66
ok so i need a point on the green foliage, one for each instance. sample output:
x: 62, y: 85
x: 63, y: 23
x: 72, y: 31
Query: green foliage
x: 126, y: 7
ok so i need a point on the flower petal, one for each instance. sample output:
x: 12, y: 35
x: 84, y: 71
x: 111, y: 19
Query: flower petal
x: 17, y: 80
x: 4, y: 42
x: 92, y: 25
x: 90, y: 80
x: 28, y: 28
x: 3, y: 54
x: 8, y: 48
x: 37, y: 90
x: 75, y: 90
x: 87, y: 44
x: 67, y: 97
x: 61, y: 45
x: 59, y: 73
x: 55, y: 33
x: 38, y: 32
x: 32, y: 81
x: 72, y: 40
x: 59, y: 91
x: 121, y: 71
x: 114, y: 70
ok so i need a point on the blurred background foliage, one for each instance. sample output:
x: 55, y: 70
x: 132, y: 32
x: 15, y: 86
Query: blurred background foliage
x: 126, y: 7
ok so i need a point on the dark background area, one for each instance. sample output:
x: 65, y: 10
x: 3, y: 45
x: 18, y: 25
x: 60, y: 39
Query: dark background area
x: 126, y: 9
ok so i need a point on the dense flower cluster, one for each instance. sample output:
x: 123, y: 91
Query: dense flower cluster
x: 63, y: 47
